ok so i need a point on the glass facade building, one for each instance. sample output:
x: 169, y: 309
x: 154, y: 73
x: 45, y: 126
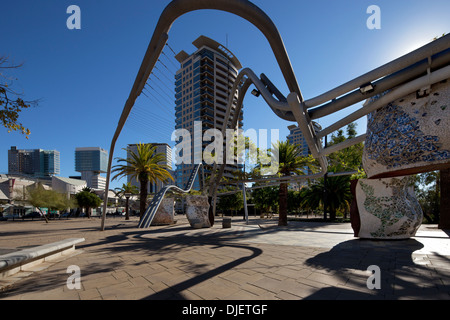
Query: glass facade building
x: 91, y: 159
x: 33, y: 162
x: 91, y: 162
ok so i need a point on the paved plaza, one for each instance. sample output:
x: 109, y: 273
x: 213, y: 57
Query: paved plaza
x: 254, y: 261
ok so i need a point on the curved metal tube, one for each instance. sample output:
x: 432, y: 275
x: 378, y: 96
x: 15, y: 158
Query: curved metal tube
x: 174, y: 10
x: 156, y: 201
x: 275, y: 105
x: 389, y: 68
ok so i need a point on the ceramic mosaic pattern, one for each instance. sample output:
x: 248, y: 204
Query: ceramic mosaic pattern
x: 409, y: 133
x: 388, y: 208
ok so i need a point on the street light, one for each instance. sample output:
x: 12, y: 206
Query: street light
x: 256, y: 93
x: 127, y: 196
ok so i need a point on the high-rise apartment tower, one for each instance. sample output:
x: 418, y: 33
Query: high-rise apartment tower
x: 202, y: 88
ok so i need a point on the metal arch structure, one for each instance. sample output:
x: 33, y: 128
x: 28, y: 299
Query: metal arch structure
x: 416, y: 71
x: 152, y: 209
x: 243, y: 8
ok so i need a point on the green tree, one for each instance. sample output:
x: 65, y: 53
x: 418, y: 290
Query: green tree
x: 11, y: 102
x: 339, y: 196
x: 127, y: 188
x: 427, y: 189
x: 144, y: 165
x: 265, y: 199
x: 39, y: 197
x: 234, y: 201
x: 294, y: 201
x: 290, y: 162
x: 88, y: 200
x: 349, y: 158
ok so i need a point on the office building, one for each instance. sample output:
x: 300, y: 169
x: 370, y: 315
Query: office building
x: 202, y: 89
x: 296, y: 137
x: 33, y: 162
x: 91, y: 162
x: 166, y: 150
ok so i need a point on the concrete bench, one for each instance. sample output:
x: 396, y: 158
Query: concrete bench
x: 14, y: 262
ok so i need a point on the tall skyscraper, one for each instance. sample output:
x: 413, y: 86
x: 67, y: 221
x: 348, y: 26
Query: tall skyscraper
x: 91, y: 162
x: 202, y: 89
x: 34, y: 162
x: 163, y: 148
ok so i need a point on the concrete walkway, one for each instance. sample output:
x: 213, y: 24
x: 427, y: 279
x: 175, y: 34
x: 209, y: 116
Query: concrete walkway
x: 258, y: 261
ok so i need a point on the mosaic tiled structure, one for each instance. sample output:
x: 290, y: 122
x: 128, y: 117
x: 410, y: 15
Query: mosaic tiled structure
x: 408, y: 136
x: 388, y: 208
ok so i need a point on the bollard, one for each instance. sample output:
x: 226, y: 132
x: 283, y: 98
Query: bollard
x: 226, y: 223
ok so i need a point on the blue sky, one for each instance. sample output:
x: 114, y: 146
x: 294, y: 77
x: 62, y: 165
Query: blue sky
x: 83, y: 77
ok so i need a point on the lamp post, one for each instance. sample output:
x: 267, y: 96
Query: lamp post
x: 325, y: 189
x: 127, y: 196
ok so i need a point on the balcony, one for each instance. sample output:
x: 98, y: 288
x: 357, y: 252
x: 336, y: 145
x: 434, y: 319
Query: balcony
x: 204, y: 99
x: 207, y: 123
x: 204, y: 78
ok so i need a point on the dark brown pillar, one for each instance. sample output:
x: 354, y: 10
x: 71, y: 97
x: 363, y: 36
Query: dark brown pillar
x: 444, y: 216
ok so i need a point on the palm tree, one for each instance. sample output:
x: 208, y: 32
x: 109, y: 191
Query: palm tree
x: 338, y: 194
x: 145, y: 165
x: 125, y: 190
x: 290, y: 162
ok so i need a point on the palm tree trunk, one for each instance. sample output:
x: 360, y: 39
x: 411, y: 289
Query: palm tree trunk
x: 127, y: 216
x: 282, y: 204
x: 143, y: 196
x: 332, y: 214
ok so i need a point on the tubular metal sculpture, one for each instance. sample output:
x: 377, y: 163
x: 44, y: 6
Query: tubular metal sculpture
x: 415, y: 73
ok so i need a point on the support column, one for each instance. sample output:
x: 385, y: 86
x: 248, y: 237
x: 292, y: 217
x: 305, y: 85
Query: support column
x: 444, y: 216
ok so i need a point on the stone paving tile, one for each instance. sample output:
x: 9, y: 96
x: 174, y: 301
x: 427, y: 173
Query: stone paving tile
x: 245, y: 262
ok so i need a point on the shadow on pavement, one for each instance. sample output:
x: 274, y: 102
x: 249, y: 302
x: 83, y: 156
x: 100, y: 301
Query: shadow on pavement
x: 400, y: 276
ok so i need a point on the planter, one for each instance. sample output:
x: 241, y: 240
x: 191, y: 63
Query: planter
x: 197, y: 211
x: 410, y: 135
x: 166, y: 213
x: 387, y: 209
